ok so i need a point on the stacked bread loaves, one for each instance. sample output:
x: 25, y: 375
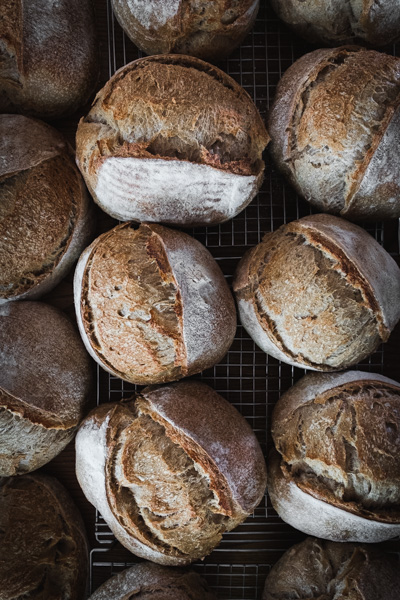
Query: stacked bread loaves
x: 318, y: 293
x: 45, y: 215
x: 172, y: 139
x: 336, y: 469
x: 335, y: 129
x: 172, y: 471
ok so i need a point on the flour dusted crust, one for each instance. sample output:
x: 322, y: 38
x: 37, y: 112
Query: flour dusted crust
x: 155, y: 583
x: 152, y: 304
x: 171, y: 472
x: 46, y: 218
x: 172, y: 139
x: 208, y: 30
x: 43, y: 550
x: 316, y: 568
x: 319, y: 293
x: 48, y: 56
x: 45, y: 381
x: 335, y: 22
x: 335, y: 124
x: 336, y: 468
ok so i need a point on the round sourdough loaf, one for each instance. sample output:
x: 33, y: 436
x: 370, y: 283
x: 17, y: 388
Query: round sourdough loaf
x: 335, y: 22
x: 45, y: 381
x: 208, y: 30
x: 48, y: 56
x: 155, y: 583
x: 336, y: 469
x: 319, y: 293
x: 43, y: 550
x: 45, y: 216
x: 171, y: 472
x: 328, y: 570
x: 172, y: 139
x: 335, y: 129
x: 152, y: 304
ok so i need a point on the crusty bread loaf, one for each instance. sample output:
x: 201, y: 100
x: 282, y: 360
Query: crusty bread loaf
x: 48, y: 56
x: 43, y: 550
x: 46, y: 219
x: 155, y: 583
x: 45, y: 381
x: 328, y: 570
x: 152, y: 304
x: 208, y: 30
x: 318, y: 293
x: 172, y: 139
x: 336, y: 471
x: 171, y: 472
x: 335, y: 129
x: 335, y: 22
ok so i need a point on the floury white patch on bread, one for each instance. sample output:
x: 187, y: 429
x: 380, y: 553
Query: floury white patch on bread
x: 187, y: 151
x: 337, y: 445
x: 171, y: 471
x: 152, y: 304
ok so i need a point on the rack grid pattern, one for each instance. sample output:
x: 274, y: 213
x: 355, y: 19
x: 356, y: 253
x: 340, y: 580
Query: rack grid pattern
x: 251, y: 380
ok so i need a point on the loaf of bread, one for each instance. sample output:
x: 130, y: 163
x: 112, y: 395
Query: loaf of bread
x: 45, y: 215
x: 172, y: 471
x: 208, y: 30
x: 155, y: 583
x: 152, y: 304
x: 43, y: 549
x: 45, y: 382
x: 172, y: 139
x: 48, y: 56
x: 319, y: 293
x: 337, y: 22
x: 335, y: 129
x: 336, y: 468
x: 328, y: 570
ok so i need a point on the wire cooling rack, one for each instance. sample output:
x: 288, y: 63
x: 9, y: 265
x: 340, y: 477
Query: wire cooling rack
x: 248, y: 378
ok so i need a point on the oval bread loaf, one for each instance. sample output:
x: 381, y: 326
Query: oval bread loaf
x: 172, y: 139
x: 46, y: 219
x: 152, y: 304
x: 336, y: 470
x: 336, y: 22
x: 208, y: 30
x: 43, y: 550
x: 319, y: 569
x: 171, y: 472
x: 319, y: 293
x: 45, y: 381
x: 155, y: 583
x: 335, y: 129
x: 48, y: 56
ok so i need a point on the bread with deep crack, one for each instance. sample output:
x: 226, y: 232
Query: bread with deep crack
x: 172, y: 471
x: 319, y: 293
x: 335, y: 125
x: 335, y: 470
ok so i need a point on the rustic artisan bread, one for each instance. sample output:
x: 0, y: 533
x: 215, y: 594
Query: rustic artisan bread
x: 341, y: 22
x: 48, y: 56
x: 171, y: 472
x: 336, y: 471
x: 152, y: 582
x: 208, y: 30
x: 328, y: 570
x: 335, y: 129
x: 43, y: 550
x: 45, y: 381
x: 152, y: 304
x: 45, y: 215
x: 318, y: 293
x: 172, y: 139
